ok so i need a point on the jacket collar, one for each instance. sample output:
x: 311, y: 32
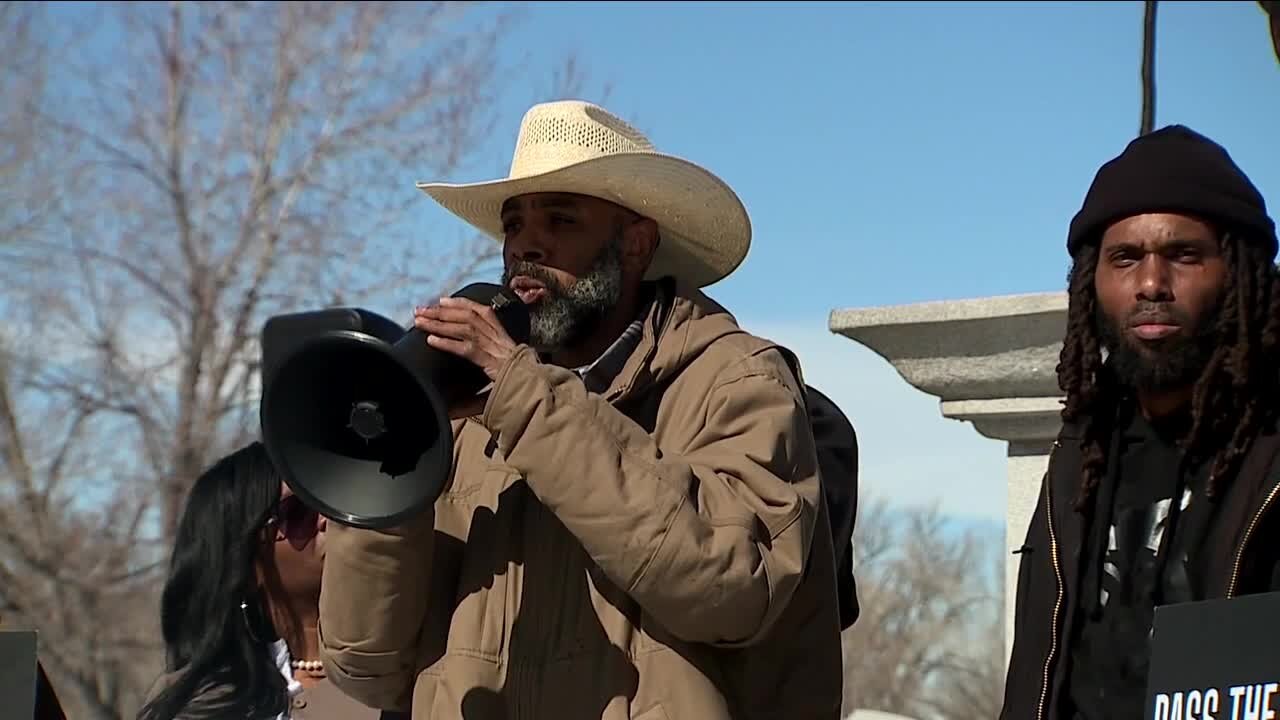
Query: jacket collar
x: 682, y: 322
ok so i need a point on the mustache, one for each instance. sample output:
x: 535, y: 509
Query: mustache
x: 1150, y: 313
x: 532, y: 270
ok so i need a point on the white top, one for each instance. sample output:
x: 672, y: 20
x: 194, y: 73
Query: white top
x: 284, y: 662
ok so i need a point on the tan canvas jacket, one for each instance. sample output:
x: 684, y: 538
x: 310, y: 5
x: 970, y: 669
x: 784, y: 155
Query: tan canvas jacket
x: 655, y: 552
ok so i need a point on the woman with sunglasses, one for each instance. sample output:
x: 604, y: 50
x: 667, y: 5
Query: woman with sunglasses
x: 239, y: 608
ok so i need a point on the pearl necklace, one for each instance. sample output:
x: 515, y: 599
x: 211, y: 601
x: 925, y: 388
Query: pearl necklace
x: 311, y: 666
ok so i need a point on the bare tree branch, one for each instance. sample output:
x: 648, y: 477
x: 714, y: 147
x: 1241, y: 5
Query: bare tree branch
x: 28, y: 172
x: 229, y: 161
x: 928, y: 642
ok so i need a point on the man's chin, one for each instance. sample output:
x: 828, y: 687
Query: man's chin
x: 1153, y: 353
x: 1155, y: 369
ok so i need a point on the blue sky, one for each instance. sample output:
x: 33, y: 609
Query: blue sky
x: 893, y: 152
x: 900, y: 152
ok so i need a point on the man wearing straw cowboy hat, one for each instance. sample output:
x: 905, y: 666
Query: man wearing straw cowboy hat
x: 633, y: 528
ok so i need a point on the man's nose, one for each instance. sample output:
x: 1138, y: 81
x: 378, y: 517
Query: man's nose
x: 529, y: 253
x: 1153, y: 279
x: 529, y: 243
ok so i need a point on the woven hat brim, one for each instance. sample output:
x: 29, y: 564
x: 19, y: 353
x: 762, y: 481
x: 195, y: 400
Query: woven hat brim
x: 705, y: 229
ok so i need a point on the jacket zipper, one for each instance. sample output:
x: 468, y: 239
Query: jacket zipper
x: 1057, y: 571
x: 1235, y: 568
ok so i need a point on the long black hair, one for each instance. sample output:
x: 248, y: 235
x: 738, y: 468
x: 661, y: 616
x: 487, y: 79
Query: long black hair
x: 1236, y: 395
x: 214, y: 622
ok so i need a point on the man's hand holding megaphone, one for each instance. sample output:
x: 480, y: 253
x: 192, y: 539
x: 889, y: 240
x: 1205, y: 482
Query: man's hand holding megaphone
x: 469, y: 330
x: 356, y: 411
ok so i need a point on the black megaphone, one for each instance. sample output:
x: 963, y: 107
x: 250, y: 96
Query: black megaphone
x: 354, y: 408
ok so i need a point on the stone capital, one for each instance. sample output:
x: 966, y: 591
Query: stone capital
x: 990, y: 361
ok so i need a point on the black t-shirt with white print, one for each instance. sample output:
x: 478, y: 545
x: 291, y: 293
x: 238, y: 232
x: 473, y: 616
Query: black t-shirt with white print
x: 1109, y: 662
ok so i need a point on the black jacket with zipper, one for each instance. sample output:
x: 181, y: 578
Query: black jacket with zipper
x: 1241, y: 550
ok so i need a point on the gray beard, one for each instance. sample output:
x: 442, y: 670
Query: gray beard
x: 568, y: 315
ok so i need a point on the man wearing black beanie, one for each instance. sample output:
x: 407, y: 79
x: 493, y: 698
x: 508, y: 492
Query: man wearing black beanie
x: 1171, y: 371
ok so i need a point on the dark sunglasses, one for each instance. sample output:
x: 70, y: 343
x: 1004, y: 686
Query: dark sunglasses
x: 293, y: 520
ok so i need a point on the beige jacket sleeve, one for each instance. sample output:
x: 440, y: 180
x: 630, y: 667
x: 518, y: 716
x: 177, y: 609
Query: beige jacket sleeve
x: 711, y: 533
x: 373, y: 602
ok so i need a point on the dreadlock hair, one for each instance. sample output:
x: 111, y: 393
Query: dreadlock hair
x: 1237, y: 393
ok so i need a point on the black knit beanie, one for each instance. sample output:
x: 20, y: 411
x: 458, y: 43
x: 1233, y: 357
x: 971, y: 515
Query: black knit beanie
x: 1174, y: 169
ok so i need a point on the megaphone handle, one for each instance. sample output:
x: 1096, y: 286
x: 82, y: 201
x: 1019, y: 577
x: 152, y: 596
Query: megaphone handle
x: 455, y: 378
x: 510, y: 311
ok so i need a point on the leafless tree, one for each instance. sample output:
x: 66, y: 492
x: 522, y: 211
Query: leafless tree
x: 218, y: 163
x: 929, y: 643
x: 48, y: 564
x: 27, y: 188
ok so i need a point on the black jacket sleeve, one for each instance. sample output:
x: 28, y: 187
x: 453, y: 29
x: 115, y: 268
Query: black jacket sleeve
x: 1037, y: 595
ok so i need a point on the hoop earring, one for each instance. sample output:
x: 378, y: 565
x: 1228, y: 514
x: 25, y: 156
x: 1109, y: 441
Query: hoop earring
x: 248, y: 622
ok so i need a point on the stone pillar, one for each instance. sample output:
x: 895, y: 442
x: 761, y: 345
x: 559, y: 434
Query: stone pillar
x: 990, y: 361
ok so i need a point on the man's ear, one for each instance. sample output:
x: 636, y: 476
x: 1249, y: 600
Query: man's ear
x: 639, y: 243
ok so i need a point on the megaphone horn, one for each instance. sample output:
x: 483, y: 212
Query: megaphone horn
x: 355, y: 409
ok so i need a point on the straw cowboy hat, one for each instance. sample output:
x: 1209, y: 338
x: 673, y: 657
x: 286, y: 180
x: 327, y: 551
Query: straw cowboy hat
x: 576, y: 147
